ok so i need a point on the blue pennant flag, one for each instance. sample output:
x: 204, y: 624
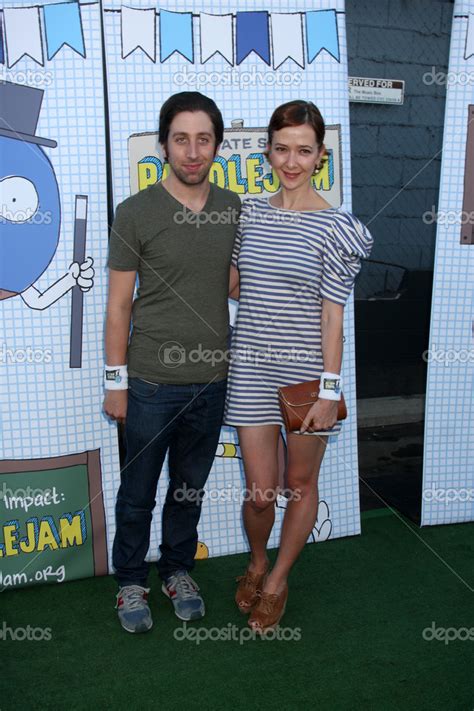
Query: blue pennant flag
x: 176, y: 34
x: 321, y: 33
x: 252, y: 35
x: 63, y: 26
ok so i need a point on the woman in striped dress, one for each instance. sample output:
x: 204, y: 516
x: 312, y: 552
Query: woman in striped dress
x: 295, y: 261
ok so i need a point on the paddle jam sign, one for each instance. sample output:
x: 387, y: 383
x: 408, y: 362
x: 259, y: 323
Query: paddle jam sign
x: 49, y: 532
x: 240, y: 166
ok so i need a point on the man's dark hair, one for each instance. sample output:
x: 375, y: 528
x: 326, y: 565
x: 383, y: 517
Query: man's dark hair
x: 189, y: 101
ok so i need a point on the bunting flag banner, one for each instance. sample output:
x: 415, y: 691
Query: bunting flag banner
x: 23, y: 34
x: 448, y: 485
x: 63, y: 27
x: 287, y: 38
x: 252, y: 35
x: 176, y: 34
x: 248, y: 31
x: 216, y: 37
x: 321, y: 33
x: 138, y: 31
x: 469, y: 48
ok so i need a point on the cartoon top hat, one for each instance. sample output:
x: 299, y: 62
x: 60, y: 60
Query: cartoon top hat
x: 19, y: 112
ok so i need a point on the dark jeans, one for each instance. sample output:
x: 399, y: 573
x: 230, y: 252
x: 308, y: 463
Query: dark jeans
x: 186, y: 421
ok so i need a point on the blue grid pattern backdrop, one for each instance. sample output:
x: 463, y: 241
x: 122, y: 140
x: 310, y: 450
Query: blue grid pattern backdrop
x: 448, y: 482
x: 47, y: 408
x: 137, y: 87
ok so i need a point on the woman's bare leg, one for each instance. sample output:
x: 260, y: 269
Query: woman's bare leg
x: 305, y: 454
x: 258, y: 445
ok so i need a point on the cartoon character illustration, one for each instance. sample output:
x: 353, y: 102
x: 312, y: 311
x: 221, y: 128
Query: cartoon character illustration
x: 228, y: 450
x: 202, y: 551
x: 30, y: 213
x: 467, y: 230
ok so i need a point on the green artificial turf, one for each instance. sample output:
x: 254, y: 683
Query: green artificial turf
x: 357, y: 610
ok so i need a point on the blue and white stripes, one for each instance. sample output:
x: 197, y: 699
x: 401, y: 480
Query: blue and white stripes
x: 288, y: 262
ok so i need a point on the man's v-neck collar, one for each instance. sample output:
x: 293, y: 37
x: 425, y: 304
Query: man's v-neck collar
x: 171, y: 197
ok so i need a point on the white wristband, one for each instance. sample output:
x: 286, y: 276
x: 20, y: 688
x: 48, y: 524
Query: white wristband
x: 330, y: 386
x: 116, y: 377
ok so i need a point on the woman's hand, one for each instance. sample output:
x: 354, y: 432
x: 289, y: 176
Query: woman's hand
x: 321, y: 416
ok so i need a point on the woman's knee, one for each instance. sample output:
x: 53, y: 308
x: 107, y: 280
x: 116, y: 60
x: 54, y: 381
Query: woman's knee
x: 302, y: 484
x: 260, y: 500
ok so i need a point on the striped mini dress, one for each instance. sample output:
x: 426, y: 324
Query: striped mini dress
x: 288, y: 262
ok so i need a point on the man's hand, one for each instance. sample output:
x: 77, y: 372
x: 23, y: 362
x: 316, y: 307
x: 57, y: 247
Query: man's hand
x: 321, y: 416
x: 115, y: 404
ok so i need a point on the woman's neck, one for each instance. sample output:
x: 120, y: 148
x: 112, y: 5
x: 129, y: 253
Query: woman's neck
x: 304, y: 199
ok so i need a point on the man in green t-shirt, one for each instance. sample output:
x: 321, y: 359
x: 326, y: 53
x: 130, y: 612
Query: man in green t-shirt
x: 167, y: 380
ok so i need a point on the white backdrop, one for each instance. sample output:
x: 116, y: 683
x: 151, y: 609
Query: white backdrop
x: 448, y: 476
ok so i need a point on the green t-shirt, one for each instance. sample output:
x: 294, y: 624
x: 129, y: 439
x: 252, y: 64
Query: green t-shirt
x: 180, y: 315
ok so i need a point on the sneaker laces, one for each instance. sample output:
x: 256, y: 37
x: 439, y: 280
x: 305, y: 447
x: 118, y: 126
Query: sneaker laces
x: 184, y: 585
x: 133, y: 596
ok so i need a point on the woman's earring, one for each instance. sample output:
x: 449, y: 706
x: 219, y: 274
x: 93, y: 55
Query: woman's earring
x: 318, y: 167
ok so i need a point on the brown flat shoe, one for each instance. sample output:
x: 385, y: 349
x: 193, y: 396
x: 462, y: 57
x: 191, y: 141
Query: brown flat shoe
x: 248, y: 590
x: 268, y: 611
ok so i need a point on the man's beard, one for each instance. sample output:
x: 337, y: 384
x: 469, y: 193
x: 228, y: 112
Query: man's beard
x: 191, y: 178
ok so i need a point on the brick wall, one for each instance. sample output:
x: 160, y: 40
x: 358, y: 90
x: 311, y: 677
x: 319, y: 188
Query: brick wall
x: 396, y: 149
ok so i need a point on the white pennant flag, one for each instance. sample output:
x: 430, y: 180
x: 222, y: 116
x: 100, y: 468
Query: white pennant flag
x: 23, y: 34
x: 469, y: 50
x: 138, y: 30
x: 216, y: 36
x: 287, y: 38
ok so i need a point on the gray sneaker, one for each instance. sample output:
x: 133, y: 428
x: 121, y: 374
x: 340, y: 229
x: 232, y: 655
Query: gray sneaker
x: 133, y: 611
x: 183, y: 593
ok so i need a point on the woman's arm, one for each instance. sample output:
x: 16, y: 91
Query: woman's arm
x: 331, y: 335
x: 323, y: 414
x: 234, y: 290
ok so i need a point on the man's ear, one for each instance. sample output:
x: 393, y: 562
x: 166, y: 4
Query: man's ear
x: 163, y: 151
x: 217, y: 149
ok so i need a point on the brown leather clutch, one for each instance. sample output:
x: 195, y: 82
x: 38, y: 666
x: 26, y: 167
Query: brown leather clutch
x: 297, y: 400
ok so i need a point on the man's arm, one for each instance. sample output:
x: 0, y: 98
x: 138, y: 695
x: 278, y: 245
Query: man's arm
x: 117, y: 331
